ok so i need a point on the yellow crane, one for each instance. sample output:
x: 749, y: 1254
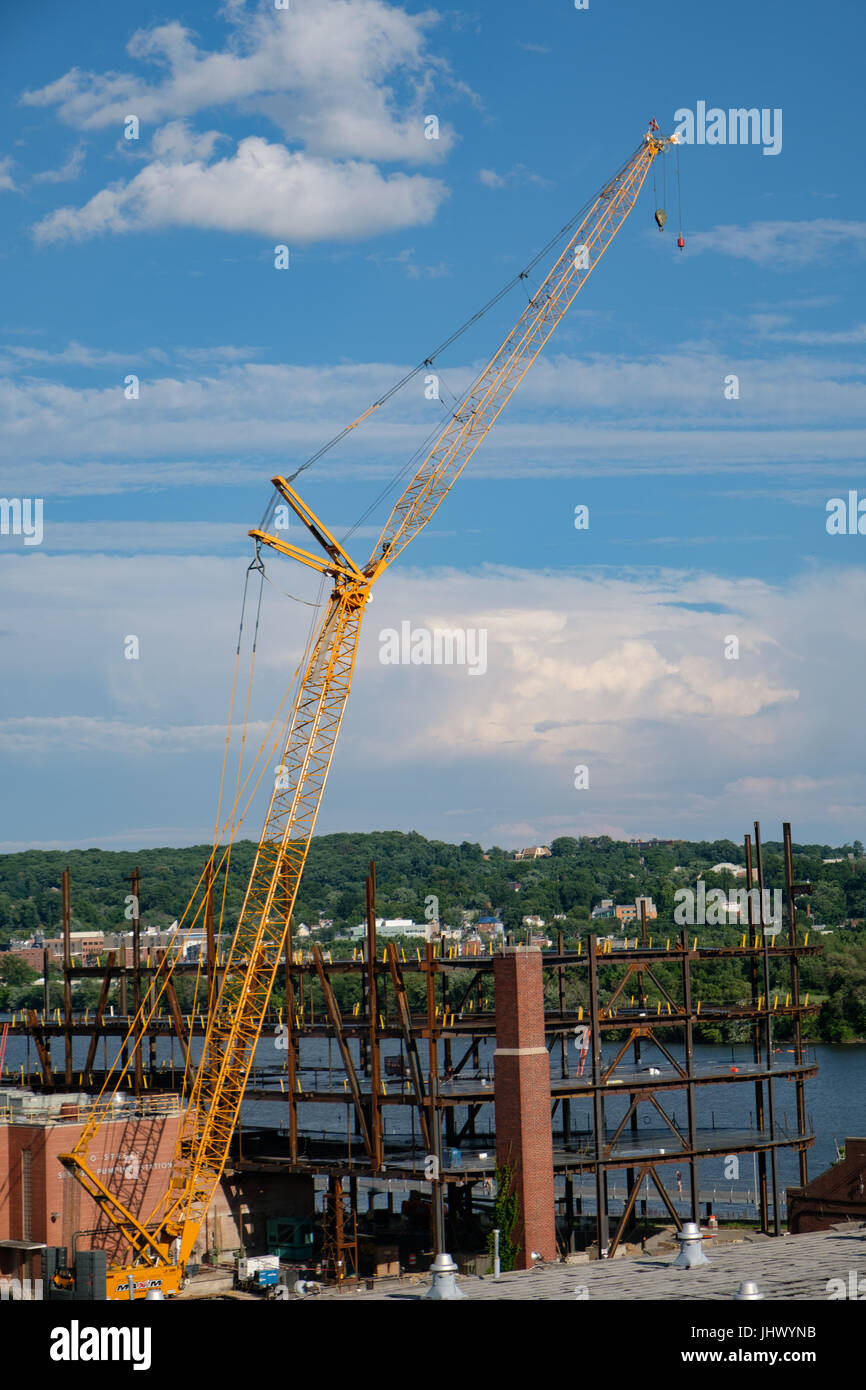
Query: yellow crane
x: 162, y: 1245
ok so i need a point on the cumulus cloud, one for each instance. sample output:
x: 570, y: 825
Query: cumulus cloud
x: 586, y: 666
x: 347, y: 82
x: 625, y: 675
x: 346, y: 77
x: 262, y: 189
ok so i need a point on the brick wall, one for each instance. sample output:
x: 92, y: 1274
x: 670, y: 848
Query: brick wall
x: 132, y: 1156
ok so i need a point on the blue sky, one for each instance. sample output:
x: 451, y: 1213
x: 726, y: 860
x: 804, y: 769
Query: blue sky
x: 707, y: 516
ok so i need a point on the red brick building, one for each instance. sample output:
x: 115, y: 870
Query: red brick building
x: 31, y: 955
x: 41, y: 1202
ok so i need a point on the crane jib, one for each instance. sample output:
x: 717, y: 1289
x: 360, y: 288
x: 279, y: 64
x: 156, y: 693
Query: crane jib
x: 166, y: 1239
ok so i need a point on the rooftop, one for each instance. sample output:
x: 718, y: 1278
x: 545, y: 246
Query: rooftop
x: 790, y: 1267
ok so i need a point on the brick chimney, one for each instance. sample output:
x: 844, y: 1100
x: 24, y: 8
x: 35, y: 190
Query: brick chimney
x: 524, y: 1135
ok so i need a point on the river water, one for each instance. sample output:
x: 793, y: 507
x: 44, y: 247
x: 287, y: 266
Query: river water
x: 835, y: 1098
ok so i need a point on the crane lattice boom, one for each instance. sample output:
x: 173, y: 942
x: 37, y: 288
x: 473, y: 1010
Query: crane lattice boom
x: 236, y: 1017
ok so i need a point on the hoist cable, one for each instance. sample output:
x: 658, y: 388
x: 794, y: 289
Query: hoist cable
x: 456, y: 334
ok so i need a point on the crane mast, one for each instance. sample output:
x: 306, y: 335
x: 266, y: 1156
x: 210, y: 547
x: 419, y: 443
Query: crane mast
x: 235, y: 1020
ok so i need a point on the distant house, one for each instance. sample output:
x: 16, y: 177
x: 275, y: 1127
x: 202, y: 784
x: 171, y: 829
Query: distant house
x: 533, y: 920
x: 736, y: 869
x: 534, y: 852
x: 489, y: 926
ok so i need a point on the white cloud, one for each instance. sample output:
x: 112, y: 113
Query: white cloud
x: 67, y: 172
x: 605, y: 671
x: 178, y: 143
x: 583, y: 670
x: 262, y: 189
x: 31, y: 736
x: 79, y: 355
x: 141, y: 537
x: 783, y: 245
x: 201, y: 421
x: 518, y: 174
x: 351, y: 81
x: 815, y: 337
x: 332, y: 74
x: 416, y: 270
x: 7, y: 183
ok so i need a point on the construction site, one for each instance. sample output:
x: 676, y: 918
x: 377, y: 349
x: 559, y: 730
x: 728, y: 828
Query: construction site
x: 400, y: 1112
x: 493, y: 1079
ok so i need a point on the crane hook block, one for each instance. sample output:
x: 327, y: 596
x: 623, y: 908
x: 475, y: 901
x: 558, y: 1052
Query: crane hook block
x: 661, y: 218
x: 681, y: 241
